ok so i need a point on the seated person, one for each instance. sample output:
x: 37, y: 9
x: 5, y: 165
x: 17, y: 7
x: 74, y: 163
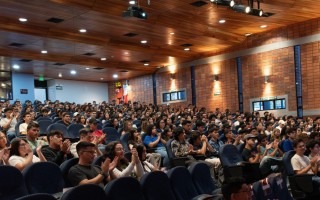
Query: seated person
x: 154, y: 140
x: 250, y: 154
x: 115, y: 152
x: 288, y: 142
x: 26, y: 120
x: 57, y: 151
x: 236, y: 189
x: 4, y: 151
x: 98, y: 134
x: 214, y: 141
x: 268, y: 149
x: 21, y: 154
x: 86, y: 173
x: 142, y: 153
x: 33, y: 134
x: 85, y: 136
x: 181, y: 148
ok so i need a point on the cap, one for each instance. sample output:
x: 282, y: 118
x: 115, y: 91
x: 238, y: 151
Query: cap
x: 249, y: 136
x: 75, y: 114
x: 281, y: 122
x: 93, y: 121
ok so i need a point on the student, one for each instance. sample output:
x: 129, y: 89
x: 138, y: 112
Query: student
x: 236, y: 189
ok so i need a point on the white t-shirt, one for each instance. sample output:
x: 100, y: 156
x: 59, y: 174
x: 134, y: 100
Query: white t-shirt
x: 14, y: 160
x: 300, y: 162
x: 23, y: 127
x: 13, y: 123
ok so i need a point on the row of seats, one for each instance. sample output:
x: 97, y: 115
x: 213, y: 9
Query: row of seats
x: 178, y: 184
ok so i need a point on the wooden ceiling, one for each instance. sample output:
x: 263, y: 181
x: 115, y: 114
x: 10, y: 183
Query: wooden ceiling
x: 21, y: 43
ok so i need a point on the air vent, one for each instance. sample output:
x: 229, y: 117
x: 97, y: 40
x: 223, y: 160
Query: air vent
x: 98, y: 68
x: 186, y: 45
x: 124, y: 71
x: 55, y: 20
x: 89, y: 54
x: 59, y: 64
x: 25, y: 60
x: 15, y: 44
x: 198, y: 3
x: 130, y: 34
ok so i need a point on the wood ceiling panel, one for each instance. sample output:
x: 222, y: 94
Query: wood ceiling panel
x: 106, y: 27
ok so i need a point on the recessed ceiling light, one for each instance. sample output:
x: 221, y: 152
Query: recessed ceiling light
x: 132, y: 2
x: 263, y: 26
x: 101, y: 78
x: 87, y: 68
x: 247, y: 34
x: 16, y: 67
x: 172, y: 33
x: 3, y: 85
x: 82, y: 30
x: 186, y: 49
x: 115, y: 76
x: 146, y: 64
x: 44, y: 51
x: 144, y: 41
x: 21, y: 19
x: 73, y: 72
x: 103, y: 59
x: 60, y: 75
x: 126, y: 53
x: 222, y: 21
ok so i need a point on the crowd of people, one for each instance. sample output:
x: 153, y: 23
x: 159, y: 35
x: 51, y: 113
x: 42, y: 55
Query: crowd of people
x: 192, y: 132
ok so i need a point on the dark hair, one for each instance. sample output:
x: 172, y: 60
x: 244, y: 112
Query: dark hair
x: 84, y: 132
x: 214, y: 128
x: 53, y: 133
x: 177, y: 131
x: 195, y: 135
x: 184, y: 122
x: 290, y: 130
x: 313, y: 135
x: 131, y: 134
x: 233, y: 185
x: 165, y: 132
x: 83, y: 145
x: 200, y: 123
x: 110, y: 152
x: 139, y: 148
x: 15, y: 144
x: 31, y: 125
x: 149, y: 129
x: 296, y: 142
x: 310, y: 145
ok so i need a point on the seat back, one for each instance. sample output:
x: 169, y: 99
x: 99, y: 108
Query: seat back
x: 16, y: 128
x: 201, y: 178
x: 43, y: 126
x: 98, y: 160
x: 43, y: 177
x: 111, y: 134
x: 181, y: 183
x: 124, y: 141
x: 73, y: 130
x: 279, y: 188
x: 229, y: 155
x: 174, y: 161
x: 59, y: 127
x: 151, y: 182
x: 65, y: 167
x: 12, y: 185
x: 287, y: 162
x: 38, y: 196
x: 262, y: 189
x: 84, y: 192
x: 43, y: 118
x: 124, y: 188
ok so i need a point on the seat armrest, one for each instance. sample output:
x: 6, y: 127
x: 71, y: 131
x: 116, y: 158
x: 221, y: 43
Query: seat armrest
x: 199, y: 157
x: 179, y: 161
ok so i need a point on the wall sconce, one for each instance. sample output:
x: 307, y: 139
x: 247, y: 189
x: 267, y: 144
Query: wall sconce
x: 266, y: 79
x: 172, y: 76
x: 215, y: 77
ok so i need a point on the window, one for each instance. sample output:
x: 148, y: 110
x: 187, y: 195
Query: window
x: 273, y: 104
x: 174, y: 96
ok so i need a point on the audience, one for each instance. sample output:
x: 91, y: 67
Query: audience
x: 21, y: 154
x: 26, y: 120
x: 4, y: 151
x: 9, y: 122
x: 58, y: 150
x: 87, y: 173
x: 236, y: 189
x: 33, y: 134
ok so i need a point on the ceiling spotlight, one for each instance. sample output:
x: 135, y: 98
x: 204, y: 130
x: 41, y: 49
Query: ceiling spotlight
x: 222, y: 21
x: 16, y: 67
x: 3, y: 85
x: 186, y: 49
x: 44, y: 51
x: 146, y: 64
x: 60, y: 75
x: 101, y: 78
x: 115, y: 76
x: 135, y: 11
x: 223, y: 2
x: 82, y: 30
x: 247, y: 34
x: 232, y: 3
x: 143, y: 41
x: 132, y: 2
x: 263, y: 26
x: 172, y: 33
x: 21, y: 19
x: 103, y: 59
x: 73, y: 72
x: 256, y: 12
x: 87, y: 68
x: 241, y: 8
